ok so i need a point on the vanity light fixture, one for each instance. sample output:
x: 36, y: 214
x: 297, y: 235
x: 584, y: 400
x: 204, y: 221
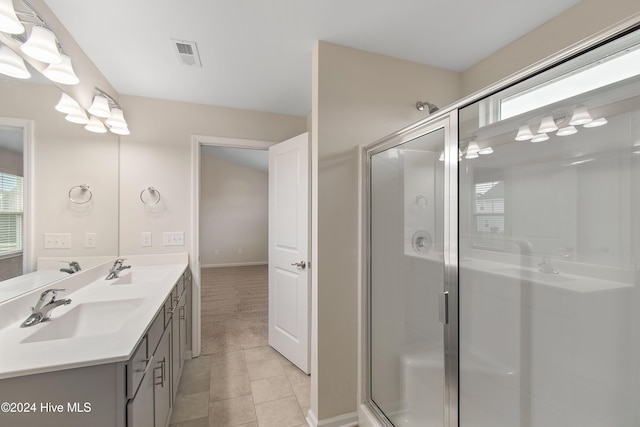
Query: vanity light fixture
x: 12, y: 65
x: 67, y: 104
x: 79, y: 117
x: 472, y: 150
x: 540, y: 137
x: 567, y: 130
x: 431, y: 108
x: 100, y: 107
x: 580, y: 117
x: 485, y: 151
x: 547, y: 125
x: 9, y: 22
x: 42, y: 46
x: 524, y: 133
x: 441, y: 158
x: 95, y: 125
x: 596, y: 123
x: 62, y: 73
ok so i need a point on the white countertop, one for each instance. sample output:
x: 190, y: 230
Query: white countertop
x: 127, y: 310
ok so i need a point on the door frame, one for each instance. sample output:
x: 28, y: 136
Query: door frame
x: 368, y: 412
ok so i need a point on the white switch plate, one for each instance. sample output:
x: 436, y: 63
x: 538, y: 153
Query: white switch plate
x: 57, y: 240
x: 90, y: 240
x: 173, y: 238
x: 145, y: 239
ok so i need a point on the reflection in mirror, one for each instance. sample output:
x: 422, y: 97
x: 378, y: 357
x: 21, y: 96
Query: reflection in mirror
x: 52, y: 156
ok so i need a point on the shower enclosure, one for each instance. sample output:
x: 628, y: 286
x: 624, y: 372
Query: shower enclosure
x: 503, y: 253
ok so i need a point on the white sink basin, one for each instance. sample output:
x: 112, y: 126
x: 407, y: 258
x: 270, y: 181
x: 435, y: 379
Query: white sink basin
x: 86, y: 319
x: 141, y: 275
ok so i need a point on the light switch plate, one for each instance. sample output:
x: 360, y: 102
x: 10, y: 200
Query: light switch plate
x: 90, y: 240
x: 145, y: 239
x: 173, y: 238
x: 57, y: 240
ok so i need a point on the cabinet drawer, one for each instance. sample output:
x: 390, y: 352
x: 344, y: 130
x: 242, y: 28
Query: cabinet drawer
x: 155, y: 331
x: 136, y: 368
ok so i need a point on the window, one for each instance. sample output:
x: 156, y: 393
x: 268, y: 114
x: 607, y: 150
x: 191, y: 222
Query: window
x: 489, y: 207
x: 11, y: 212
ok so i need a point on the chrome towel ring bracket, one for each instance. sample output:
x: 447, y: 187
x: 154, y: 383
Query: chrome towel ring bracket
x: 150, y: 196
x: 80, y: 194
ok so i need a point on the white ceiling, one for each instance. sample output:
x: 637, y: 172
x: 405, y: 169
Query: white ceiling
x: 256, y: 54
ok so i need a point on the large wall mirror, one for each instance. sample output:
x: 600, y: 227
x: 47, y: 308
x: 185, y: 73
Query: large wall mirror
x: 58, y: 189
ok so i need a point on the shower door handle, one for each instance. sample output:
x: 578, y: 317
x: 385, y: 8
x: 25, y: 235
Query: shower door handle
x: 443, y: 307
x: 300, y: 264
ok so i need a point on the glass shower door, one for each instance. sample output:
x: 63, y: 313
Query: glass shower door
x: 406, y: 281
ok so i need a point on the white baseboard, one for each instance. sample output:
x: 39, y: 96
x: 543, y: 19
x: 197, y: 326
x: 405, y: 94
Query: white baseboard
x: 234, y: 264
x: 345, y: 420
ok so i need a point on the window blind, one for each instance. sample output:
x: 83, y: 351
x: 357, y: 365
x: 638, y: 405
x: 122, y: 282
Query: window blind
x: 11, y: 214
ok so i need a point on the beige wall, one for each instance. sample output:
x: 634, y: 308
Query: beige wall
x: 358, y: 98
x: 234, y: 213
x: 158, y: 154
x: 585, y: 19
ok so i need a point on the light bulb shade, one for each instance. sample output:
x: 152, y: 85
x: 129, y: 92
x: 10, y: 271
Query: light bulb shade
x: 117, y: 118
x: 472, y: 155
x: 9, y: 22
x: 524, y: 133
x: 540, y: 137
x: 67, y: 104
x: 485, y: 151
x: 596, y: 123
x: 42, y: 46
x: 580, y: 117
x: 95, y: 125
x: 473, y: 147
x: 79, y: 117
x: 100, y: 107
x: 120, y: 130
x: 441, y: 158
x: 12, y: 65
x: 62, y: 72
x: 568, y: 130
x: 547, y: 125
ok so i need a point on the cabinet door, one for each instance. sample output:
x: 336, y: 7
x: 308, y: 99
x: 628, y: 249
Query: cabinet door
x: 182, y: 316
x: 140, y: 408
x: 161, y: 376
x: 175, y: 350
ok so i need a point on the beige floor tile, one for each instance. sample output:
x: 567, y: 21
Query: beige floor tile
x: 190, y: 407
x: 237, y: 355
x: 264, y: 369
x: 295, y: 375
x: 229, y: 386
x: 232, y: 412
x: 199, y: 422
x: 228, y: 367
x: 193, y: 383
x: 303, y: 393
x: 279, y: 413
x: 260, y: 353
x: 273, y: 388
x: 253, y: 425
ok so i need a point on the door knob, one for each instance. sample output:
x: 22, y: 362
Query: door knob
x: 300, y: 264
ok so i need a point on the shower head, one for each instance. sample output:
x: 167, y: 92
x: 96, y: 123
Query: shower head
x: 420, y: 105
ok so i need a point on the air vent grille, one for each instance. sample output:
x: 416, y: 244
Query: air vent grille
x: 186, y: 52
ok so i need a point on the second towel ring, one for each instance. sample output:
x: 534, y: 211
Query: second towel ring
x: 150, y: 196
x: 79, y: 199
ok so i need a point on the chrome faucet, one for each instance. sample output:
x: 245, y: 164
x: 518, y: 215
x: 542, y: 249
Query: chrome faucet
x: 74, y: 267
x: 42, y: 311
x: 546, y: 267
x: 117, y: 268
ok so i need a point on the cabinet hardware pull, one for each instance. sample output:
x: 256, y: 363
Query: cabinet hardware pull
x: 182, y: 312
x: 162, y: 376
x: 147, y: 362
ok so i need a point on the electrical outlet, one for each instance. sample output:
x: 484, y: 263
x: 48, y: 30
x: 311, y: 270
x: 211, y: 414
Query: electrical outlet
x: 57, y: 240
x: 145, y: 239
x: 90, y: 240
x: 173, y: 238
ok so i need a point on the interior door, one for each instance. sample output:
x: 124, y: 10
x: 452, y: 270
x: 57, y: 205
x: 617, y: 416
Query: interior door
x: 289, y: 279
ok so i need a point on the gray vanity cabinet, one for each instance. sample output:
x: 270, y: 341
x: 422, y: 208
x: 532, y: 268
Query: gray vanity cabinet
x: 162, y: 397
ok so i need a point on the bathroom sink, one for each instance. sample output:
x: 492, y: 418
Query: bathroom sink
x: 86, y: 319
x: 142, y: 275
x: 536, y: 276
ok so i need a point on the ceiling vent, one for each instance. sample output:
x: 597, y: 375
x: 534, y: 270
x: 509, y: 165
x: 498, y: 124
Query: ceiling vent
x: 186, y: 52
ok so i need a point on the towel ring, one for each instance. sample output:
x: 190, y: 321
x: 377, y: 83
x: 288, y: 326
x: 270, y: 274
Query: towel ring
x: 82, y: 189
x: 152, y: 199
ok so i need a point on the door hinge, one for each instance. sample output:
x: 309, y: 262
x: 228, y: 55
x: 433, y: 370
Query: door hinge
x: 443, y: 307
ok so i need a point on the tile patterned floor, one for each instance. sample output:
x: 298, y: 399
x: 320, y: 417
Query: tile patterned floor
x: 239, y: 380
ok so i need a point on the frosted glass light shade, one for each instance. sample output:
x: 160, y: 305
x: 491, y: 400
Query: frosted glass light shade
x: 117, y: 118
x: 547, y: 125
x: 67, y: 104
x: 485, y: 151
x: 580, y: 117
x: 120, y: 130
x: 62, y: 72
x: 95, y: 125
x: 596, y: 123
x: 568, y: 130
x: 12, y: 65
x: 524, y: 133
x: 9, y: 22
x: 42, y: 46
x: 540, y: 137
x: 79, y: 117
x: 100, y: 107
